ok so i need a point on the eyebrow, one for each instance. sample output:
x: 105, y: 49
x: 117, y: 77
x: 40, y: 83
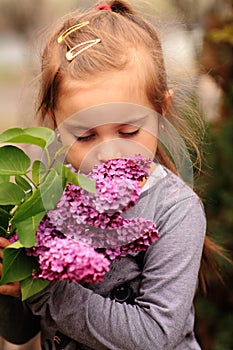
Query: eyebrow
x: 141, y: 119
x: 85, y: 128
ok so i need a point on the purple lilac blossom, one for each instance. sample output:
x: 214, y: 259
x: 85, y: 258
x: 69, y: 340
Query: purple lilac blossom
x: 79, y: 238
x: 62, y: 258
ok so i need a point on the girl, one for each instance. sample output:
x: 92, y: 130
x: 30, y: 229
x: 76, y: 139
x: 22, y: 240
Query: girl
x: 103, y: 85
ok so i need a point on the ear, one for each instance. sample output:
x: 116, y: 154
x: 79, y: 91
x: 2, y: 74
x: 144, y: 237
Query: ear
x: 168, y: 96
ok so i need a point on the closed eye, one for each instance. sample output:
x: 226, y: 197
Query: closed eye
x: 85, y: 138
x: 89, y: 137
x: 129, y: 134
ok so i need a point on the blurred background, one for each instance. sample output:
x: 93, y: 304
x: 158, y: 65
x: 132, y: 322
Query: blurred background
x: 197, y: 38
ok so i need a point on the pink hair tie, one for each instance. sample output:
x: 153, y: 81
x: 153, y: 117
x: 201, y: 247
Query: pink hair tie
x: 104, y: 7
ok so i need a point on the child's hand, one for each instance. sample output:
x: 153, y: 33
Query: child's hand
x: 12, y: 288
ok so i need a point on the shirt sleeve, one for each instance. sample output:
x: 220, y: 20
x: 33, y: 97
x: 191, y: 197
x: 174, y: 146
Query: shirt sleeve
x: 157, y: 319
x: 17, y: 323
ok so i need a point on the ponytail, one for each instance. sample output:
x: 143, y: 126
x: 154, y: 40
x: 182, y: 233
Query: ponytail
x: 120, y: 7
x: 210, y: 264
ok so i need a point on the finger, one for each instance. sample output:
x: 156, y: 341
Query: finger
x: 12, y: 289
x: 4, y: 242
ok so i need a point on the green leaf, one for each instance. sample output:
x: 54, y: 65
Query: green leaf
x: 38, y: 171
x: 4, y: 218
x: 31, y: 207
x: 51, y: 190
x: 67, y: 175
x: 61, y: 151
x: 42, y: 199
x: 17, y: 135
x: 31, y: 286
x: 46, y: 134
x: 23, y: 184
x: 86, y: 183
x: 76, y: 179
x: 10, y: 134
x: 39, y: 136
x: 26, y: 230
x: 13, y: 161
x: 11, y: 193
x: 16, y: 264
x: 4, y: 178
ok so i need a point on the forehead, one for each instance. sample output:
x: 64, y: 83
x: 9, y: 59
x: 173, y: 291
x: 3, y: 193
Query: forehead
x: 115, y: 112
x: 127, y: 86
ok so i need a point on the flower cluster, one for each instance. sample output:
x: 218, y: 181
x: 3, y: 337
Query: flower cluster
x: 64, y: 258
x: 79, y: 238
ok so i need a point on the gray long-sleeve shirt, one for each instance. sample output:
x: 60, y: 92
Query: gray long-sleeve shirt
x: 156, y: 307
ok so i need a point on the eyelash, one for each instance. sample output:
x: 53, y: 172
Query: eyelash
x: 89, y: 137
x: 84, y: 138
x: 132, y: 133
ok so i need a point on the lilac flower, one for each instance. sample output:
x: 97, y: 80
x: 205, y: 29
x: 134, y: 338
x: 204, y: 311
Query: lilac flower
x: 140, y: 233
x: 134, y: 168
x: 78, y: 239
x: 62, y: 258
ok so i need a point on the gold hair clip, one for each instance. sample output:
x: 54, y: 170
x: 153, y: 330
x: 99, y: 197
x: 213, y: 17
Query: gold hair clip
x: 70, y: 30
x: 71, y: 54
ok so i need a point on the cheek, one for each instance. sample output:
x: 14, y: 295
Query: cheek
x: 82, y: 157
x: 149, y: 141
x: 75, y: 156
x: 153, y: 144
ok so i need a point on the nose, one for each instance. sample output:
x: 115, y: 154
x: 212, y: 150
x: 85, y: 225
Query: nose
x: 108, y: 150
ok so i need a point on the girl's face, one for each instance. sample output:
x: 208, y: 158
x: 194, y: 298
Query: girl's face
x: 110, y: 118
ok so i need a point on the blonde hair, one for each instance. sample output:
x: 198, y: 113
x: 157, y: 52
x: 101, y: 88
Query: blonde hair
x: 122, y: 31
